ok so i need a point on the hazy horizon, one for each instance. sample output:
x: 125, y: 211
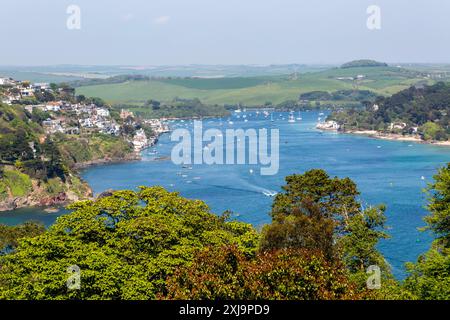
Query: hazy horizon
x: 403, y: 63
x: 200, y: 32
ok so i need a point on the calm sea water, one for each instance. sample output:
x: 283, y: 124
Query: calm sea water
x: 389, y: 172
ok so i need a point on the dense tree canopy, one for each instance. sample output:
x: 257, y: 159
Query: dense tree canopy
x: 422, y: 108
x: 429, y: 277
x: 10, y: 235
x: 317, y: 212
x: 439, y: 206
x: 125, y: 250
x: 225, y: 273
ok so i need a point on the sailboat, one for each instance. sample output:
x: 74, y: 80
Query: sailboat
x: 291, y: 118
x: 299, y: 116
x: 271, y: 117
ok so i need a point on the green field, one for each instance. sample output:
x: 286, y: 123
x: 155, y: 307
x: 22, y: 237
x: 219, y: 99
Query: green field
x: 255, y: 90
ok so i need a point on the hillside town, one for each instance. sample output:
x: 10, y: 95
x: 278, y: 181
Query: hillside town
x: 65, y: 116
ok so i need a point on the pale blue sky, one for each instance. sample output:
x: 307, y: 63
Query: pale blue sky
x: 175, y: 32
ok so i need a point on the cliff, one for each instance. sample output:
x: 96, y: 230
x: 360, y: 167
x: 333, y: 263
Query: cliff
x: 19, y: 190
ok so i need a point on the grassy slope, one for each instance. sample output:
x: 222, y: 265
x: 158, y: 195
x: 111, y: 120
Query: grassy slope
x: 76, y: 149
x: 255, y: 90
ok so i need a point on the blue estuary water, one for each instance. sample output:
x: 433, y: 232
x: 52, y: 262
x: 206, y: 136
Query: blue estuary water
x: 389, y: 172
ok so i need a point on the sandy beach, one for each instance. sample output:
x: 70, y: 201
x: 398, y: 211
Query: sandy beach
x: 397, y: 137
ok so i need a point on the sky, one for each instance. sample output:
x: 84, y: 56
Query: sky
x: 180, y: 32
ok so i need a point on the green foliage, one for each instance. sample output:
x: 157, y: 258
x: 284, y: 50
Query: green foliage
x: 429, y: 277
x: 438, y: 221
x: 316, y: 212
x: 363, y: 63
x: 54, y: 186
x: 10, y: 235
x: 433, y: 131
x: 425, y: 107
x: 177, y: 108
x: 305, y: 227
x: 155, y: 244
x: 364, y: 231
x: 15, y: 137
x: 340, y: 95
x: 18, y: 183
x: 79, y: 149
x: 336, y: 197
x: 125, y: 250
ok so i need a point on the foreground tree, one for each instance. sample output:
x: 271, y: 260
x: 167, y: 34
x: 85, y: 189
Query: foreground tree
x: 438, y: 221
x: 317, y: 212
x: 11, y: 235
x: 364, y: 231
x: 226, y: 273
x: 336, y: 198
x: 304, y: 228
x: 429, y: 278
x: 125, y: 244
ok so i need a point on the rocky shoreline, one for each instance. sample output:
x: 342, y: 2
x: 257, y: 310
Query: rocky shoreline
x: 40, y: 198
x: 135, y: 156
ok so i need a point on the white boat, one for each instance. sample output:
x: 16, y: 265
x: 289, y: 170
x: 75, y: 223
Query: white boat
x: 299, y: 116
x: 291, y: 118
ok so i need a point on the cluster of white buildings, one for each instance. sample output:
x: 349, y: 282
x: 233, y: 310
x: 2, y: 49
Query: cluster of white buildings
x: 88, y: 116
x: 140, y: 139
x: 158, y: 126
x: 73, y: 118
x: 17, y: 90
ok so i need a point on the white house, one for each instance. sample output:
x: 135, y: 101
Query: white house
x: 6, y: 81
x: 41, y: 86
x: 26, y: 92
x: 140, y: 140
x: 53, y: 106
x: 87, y: 123
x: 102, y: 112
x: 328, y: 125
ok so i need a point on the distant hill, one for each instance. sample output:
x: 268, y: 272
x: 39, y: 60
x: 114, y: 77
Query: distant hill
x: 252, y: 91
x: 363, y: 63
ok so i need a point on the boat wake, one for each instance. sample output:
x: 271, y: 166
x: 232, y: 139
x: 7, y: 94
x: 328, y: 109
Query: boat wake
x: 270, y: 193
x: 251, y: 188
